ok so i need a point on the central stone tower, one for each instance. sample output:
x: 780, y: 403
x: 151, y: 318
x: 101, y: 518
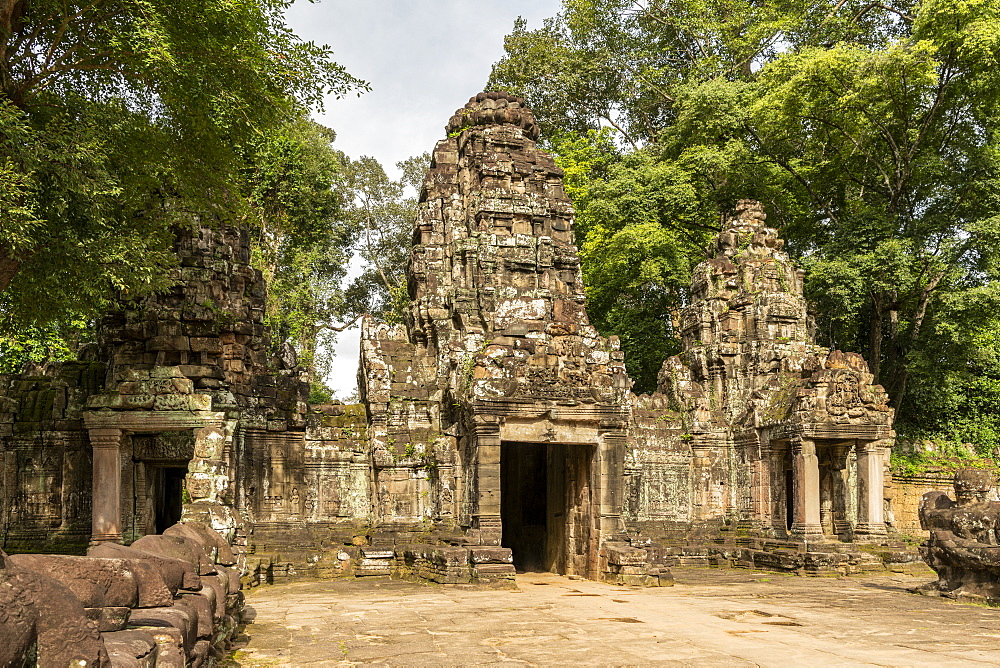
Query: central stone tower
x: 497, y: 377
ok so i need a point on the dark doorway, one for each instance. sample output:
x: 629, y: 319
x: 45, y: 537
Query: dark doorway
x: 546, y: 507
x: 168, y: 495
x: 523, y: 503
x: 789, y: 500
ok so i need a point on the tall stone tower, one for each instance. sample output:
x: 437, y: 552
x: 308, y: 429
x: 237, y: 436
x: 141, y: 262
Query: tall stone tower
x: 498, y: 373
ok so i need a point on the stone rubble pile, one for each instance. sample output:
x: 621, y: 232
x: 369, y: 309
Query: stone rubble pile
x: 170, y: 600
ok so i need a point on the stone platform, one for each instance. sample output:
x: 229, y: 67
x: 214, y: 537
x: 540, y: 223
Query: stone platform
x: 711, y: 617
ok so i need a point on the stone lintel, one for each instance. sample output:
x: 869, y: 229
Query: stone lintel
x: 152, y: 421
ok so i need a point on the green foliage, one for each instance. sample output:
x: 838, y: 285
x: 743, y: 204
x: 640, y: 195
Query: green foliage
x: 384, y: 212
x: 319, y: 394
x: 302, y: 243
x: 37, y: 345
x: 946, y: 460
x: 868, y: 132
x: 119, y: 121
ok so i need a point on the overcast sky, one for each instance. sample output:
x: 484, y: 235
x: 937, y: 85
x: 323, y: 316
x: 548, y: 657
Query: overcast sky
x: 423, y: 60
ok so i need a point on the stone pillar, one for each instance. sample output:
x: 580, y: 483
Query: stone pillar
x: 761, y: 504
x: 611, y: 461
x: 870, y: 489
x: 805, y: 490
x: 486, y: 516
x: 777, y: 491
x: 106, y: 521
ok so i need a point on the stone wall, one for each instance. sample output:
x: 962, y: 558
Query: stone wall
x: 906, y: 493
x: 45, y: 490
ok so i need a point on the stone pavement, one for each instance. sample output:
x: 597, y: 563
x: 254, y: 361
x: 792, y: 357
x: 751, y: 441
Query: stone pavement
x: 709, y: 618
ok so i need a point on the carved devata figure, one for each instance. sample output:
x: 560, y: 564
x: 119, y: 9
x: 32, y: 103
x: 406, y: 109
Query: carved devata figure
x: 964, y: 543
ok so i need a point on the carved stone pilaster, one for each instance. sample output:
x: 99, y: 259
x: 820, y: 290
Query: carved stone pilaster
x: 486, y: 515
x: 871, y: 520
x: 106, y: 521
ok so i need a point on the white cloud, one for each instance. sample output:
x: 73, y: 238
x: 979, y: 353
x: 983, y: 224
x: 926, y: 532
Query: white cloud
x: 423, y: 59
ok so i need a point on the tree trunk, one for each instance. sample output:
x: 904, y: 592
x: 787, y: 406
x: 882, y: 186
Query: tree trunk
x: 898, y: 391
x: 9, y: 267
x: 875, y: 335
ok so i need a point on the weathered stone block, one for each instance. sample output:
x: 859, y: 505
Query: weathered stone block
x: 169, y: 343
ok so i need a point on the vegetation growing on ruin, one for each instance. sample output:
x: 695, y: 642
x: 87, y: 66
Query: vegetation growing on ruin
x: 867, y: 130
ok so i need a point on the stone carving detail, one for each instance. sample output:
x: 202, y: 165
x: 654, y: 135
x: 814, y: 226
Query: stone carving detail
x: 964, y: 543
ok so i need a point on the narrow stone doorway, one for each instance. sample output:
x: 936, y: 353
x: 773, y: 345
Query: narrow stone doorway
x: 168, y: 495
x: 546, y: 509
x: 789, y: 499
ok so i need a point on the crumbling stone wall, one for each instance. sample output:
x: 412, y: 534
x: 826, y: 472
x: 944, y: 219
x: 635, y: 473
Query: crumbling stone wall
x: 45, y: 458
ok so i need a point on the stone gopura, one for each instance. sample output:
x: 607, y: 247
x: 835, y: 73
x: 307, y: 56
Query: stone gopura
x: 498, y: 428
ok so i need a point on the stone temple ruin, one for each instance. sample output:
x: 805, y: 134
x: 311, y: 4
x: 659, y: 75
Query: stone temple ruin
x: 497, y: 430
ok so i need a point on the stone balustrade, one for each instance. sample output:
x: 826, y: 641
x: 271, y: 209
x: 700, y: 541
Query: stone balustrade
x: 170, y: 600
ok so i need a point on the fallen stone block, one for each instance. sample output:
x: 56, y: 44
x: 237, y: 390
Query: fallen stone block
x: 170, y: 652
x: 109, y: 619
x: 63, y: 636
x: 131, y: 649
x: 177, y: 617
x: 491, y: 555
x: 176, y: 573
x: 178, y: 547
x: 212, y: 543
x: 201, y: 608
x: 95, y: 582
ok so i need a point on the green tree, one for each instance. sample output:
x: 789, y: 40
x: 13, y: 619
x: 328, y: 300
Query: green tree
x: 384, y: 212
x: 868, y: 130
x: 302, y: 241
x: 120, y: 120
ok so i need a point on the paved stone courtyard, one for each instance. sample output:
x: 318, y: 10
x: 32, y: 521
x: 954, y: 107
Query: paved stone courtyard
x: 709, y: 618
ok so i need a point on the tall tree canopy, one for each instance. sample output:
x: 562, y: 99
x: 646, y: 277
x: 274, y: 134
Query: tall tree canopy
x: 869, y: 130
x: 120, y: 119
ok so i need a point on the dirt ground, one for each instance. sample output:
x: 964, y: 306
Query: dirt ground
x: 711, y: 617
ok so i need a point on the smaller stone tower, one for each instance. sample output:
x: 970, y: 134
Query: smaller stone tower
x: 792, y: 436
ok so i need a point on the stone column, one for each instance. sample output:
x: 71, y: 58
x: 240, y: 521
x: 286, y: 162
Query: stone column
x: 870, y: 489
x: 761, y: 504
x: 777, y: 491
x: 106, y: 521
x: 610, y: 464
x: 486, y: 516
x: 611, y: 461
x: 805, y: 490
